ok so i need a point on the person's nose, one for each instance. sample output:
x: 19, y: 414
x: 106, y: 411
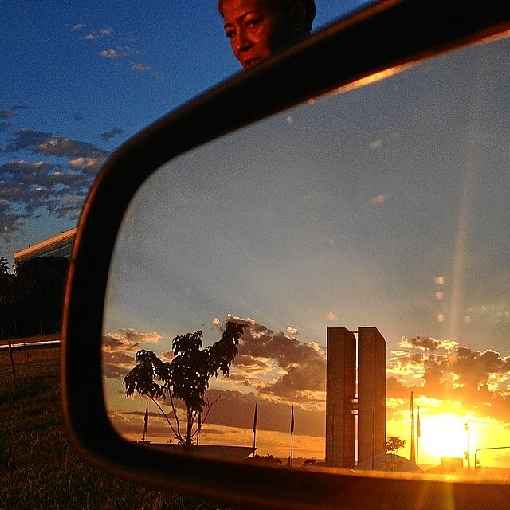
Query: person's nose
x: 243, y: 42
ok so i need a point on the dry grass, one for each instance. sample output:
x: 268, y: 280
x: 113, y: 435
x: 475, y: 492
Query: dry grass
x: 38, y: 467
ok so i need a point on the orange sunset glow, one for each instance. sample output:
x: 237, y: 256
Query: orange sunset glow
x: 445, y: 435
x: 459, y: 413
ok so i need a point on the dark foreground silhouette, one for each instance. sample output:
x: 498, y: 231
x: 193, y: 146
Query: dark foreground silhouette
x: 39, y: 468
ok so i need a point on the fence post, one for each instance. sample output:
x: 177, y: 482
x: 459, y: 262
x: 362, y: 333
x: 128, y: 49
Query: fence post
x: 12, y: 364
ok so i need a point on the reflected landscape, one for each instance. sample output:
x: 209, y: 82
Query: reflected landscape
x: 381, y: 211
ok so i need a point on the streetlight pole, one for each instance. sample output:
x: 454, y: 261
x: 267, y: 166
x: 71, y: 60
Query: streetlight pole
x: 468, y: 432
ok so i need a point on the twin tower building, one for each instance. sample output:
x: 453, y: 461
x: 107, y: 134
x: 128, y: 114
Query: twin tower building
x: 356, y: 397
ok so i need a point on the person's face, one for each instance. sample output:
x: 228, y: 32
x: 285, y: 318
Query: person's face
x: 255, y: 30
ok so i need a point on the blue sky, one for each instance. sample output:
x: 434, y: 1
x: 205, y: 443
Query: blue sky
x: 82, y: 78
x: 384, y: 206
x: 87, y: 76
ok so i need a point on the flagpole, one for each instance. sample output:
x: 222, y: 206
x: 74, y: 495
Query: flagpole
x: 145, y: 420
x: 255, y: 417
x: 291, y: 448
x: 418, y: 435
x: 412, y: 456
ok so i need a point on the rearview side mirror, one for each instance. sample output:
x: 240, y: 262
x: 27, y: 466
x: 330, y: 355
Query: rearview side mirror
x: 389, y: 37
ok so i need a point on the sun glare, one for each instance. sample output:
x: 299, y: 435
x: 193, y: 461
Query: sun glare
x: 446, y: 435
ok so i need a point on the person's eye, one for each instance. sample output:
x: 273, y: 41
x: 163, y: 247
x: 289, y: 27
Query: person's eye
x: 252, y: 22
x: 229, y: 34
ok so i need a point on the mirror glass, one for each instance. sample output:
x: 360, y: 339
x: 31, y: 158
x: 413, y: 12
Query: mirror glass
x: 329, y: 286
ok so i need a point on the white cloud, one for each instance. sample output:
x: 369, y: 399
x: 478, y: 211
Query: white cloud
x: 316, y: 346
x: 130, y: 337
x: 111, y: 53
x: 97, y: 34
x: 239, y: 320
x: 140, y: 67
x: 51, y: 142
x: 83, y: 162
x: 292, y: 331
x: 447, y: 344
x: 77, y: 27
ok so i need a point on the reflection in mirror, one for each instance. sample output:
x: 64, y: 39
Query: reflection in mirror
x: 330, y: 286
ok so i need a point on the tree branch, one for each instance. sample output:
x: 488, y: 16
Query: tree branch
x: 208, y: 405
x: 175, y: 432
x: 175, y: 415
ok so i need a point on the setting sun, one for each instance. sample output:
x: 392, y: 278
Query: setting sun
x: 446, y: 435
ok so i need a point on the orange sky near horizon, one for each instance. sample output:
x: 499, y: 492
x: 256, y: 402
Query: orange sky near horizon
x: 453, y: 385
x: 442, y: 432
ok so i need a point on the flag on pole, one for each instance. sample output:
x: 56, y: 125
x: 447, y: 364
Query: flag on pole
x: 291, y: 446
x: 145, y: 421
x: 255, y: 413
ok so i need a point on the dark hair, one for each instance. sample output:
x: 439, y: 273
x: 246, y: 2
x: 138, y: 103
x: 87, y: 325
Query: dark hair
x: 309, y: 6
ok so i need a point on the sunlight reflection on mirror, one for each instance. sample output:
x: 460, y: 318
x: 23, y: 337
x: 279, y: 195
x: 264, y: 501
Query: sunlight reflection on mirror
x: 381, y: 208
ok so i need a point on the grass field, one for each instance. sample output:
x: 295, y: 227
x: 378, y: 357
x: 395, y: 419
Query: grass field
x: 39, y: 468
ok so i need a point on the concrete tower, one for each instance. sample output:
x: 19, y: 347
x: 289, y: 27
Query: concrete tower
x: 343, y: 403
x: 340, y: 398
x: 371, y: 396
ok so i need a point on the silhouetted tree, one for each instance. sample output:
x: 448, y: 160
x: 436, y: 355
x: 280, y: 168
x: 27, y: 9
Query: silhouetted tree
x: 394, y: 444
x: 32, y: 299
x: 40, y: 295
x: 4, y: 268
x: 7, y: 298
x: 264, y: 459
x: 6, y: 282
x: 186, y: 377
